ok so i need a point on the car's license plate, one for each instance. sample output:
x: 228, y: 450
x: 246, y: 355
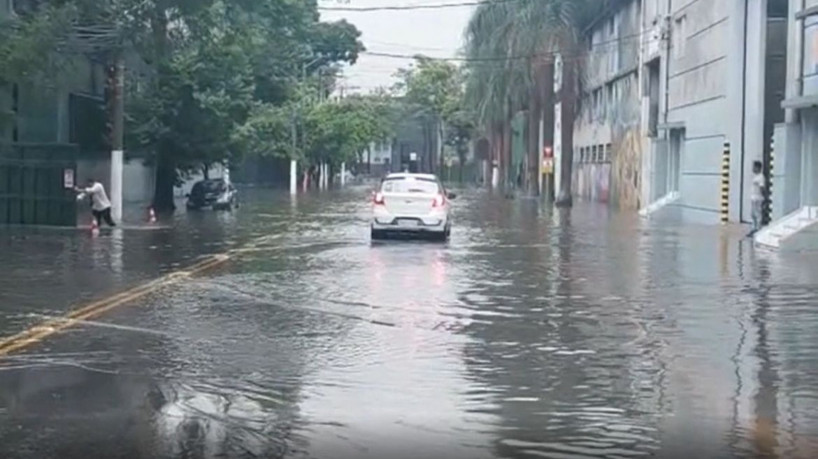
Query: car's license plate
x: 408, y: 223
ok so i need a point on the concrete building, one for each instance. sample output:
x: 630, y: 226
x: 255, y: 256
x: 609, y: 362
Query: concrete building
x: 607, y: 131
x: 667, y: 83
x: 70, y: 110
x: 795, y: 172
x: 379, y: 158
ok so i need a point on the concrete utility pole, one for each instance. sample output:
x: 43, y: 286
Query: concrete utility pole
x: 117, y: 134
x: 293, y: 162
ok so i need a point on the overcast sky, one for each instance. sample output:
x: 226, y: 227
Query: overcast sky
x: 435, y: 33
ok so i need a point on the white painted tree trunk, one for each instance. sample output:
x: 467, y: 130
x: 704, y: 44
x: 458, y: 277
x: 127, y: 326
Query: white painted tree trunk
x: 323, y: 176
x: 117, y: 167
x: 495, y: 176
x: 343, y: 174
x: 293, y: 176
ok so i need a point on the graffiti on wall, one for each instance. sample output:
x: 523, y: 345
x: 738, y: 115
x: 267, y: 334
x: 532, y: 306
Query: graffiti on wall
x: 609, y: 122
x: 625, y: 166
x: 592, y: 181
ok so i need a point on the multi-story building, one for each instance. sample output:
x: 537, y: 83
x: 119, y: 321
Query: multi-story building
x: 795, y: 172
x: 668, y: 83
x: 607, y: 131
x: 64, y: 112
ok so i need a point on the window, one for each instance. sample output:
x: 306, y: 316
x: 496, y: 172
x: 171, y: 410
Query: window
x: 611, y: 100
x: 680, y: 36
x: 653, y: 98
x: 607, y: 157
x: 597, y: 103
x: 410, y: 185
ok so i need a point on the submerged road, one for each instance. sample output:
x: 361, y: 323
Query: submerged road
x: 531, y: 333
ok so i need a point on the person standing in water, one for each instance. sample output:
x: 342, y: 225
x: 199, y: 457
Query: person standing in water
x: 757, y: 196
x: 100, y: 205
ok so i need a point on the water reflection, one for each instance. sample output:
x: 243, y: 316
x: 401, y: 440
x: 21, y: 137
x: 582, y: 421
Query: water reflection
x: 533, y: 333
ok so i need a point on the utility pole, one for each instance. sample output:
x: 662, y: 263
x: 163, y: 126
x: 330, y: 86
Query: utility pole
x: 293, y: 162
x: 296, y: 112
x: 117, y: 113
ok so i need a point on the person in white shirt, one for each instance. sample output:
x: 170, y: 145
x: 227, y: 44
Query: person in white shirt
x: 757, y: 195
x: 100, y: 205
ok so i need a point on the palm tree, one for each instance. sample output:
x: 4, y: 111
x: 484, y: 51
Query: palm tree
x: 488, y: 83
x: 522, y: 38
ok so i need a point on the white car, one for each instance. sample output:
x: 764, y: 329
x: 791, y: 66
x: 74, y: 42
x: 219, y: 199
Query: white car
x: 415, y: 204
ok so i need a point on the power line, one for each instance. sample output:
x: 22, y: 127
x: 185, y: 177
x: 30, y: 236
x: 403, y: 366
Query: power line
x: 596, y: 48
x: 436, y: 6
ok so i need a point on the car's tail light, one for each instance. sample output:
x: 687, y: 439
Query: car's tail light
x: 378, y: 199
x: 439, y: 201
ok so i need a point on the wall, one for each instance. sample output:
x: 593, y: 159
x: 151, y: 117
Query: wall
x: 5, y: 91
x: 697, y: 100
x: 137, y: 179
x: 380, y: 157
x: 608, y: 133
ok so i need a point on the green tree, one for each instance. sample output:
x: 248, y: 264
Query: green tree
x: 433, y: 90
x: 339, y: 131
x: 210, y: 79
x: 460, y: 133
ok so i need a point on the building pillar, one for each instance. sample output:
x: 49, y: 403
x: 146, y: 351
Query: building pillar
x: 754, y: 83
x: 809, y: 158
x: 787, y: 175
x: 735, y: 126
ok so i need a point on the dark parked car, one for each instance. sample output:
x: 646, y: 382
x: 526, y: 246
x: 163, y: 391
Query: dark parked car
x: 216, y: 194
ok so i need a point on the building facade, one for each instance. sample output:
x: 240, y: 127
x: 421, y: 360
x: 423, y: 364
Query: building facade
x: 795, y: 173
x: 667, y: 84
x: 607, y: 131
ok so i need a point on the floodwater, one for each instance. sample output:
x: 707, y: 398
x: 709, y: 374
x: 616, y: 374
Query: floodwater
x: 531, y: 333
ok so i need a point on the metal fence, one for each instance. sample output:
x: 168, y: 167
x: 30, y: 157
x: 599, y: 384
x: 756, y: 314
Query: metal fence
x: 35, y: 184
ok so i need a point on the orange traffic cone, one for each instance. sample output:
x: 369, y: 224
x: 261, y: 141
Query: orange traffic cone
x: 151, y: 215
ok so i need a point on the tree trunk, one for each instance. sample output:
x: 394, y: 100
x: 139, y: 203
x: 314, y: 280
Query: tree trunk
x: 568, y: 102
x: 534, y: 115
x: 440, y: 136
x: 548, y: 121
x: 163, y: 188
x: 206, y: 171
x: 461, y: 160
x: 501, y: 155
x: 427, y: 147
x: 508, y: 145
x: 166, y: 173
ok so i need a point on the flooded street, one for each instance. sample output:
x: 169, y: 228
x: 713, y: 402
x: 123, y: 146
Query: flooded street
x: 532, y: 333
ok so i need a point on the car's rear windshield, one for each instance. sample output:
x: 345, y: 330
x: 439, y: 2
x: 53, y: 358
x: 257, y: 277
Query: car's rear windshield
x: 208, y: 185
x: 410, y: 185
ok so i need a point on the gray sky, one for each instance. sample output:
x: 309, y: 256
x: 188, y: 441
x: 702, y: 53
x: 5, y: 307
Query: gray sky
x: 435, y: 33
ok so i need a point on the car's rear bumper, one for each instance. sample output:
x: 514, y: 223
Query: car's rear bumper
x: 410, y: 224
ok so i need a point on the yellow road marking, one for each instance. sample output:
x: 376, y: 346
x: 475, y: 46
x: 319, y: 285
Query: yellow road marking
x: 45, y: 329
